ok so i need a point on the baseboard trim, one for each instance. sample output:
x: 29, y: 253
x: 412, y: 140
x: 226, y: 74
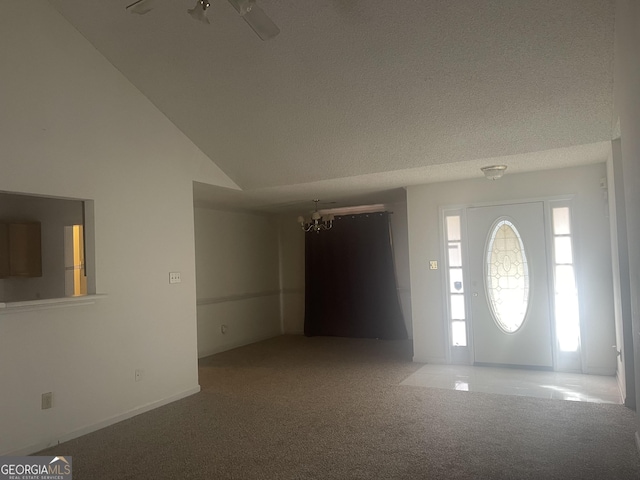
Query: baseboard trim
x: 232, y: 345
x: 621, y: 388
x: 37, y: 447
x: 537, y: 368
x: 431, y: 360
x: 608, y: 372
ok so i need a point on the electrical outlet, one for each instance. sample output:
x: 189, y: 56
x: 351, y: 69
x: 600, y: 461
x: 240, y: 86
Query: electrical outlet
x: 139, y: 375
x: 174, y: 277
x: 433, y: 264
x: 47, y: 400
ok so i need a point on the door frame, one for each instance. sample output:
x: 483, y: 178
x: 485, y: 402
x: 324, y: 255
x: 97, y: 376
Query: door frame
x: 465, y: 355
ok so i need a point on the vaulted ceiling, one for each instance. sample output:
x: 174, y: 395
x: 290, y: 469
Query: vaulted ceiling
x: 359, y: 96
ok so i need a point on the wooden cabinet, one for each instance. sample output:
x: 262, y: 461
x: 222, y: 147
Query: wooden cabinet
x: 20, y: 250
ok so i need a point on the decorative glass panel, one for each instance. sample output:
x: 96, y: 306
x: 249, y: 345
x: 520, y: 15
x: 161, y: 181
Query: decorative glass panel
x: 568, y: 330
x: 459, y: 334
x: 561, y: 224
x: 562, y: 250
x: 455, y: 277
x: 507, y: 280
x: 453, y: 228
x: 565, y: 280
x: 455, y: 258
x: 457, y: 307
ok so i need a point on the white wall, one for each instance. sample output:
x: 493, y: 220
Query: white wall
x: 72, y: 126
x: 237, y: 278
x: 620, y: 268
x: 627, y: 89
x: 291, y: 244
x: 400, y: 232
x: 53, y: 214
x: 592, y: 254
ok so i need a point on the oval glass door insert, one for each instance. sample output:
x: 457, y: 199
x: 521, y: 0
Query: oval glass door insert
x: 507, y: 277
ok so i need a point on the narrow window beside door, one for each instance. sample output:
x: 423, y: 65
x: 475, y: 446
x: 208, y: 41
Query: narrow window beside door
x: 457, y: 314
x: 566, y: 293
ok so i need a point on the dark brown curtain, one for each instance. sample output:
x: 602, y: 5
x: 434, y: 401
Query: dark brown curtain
x: 350, y: 282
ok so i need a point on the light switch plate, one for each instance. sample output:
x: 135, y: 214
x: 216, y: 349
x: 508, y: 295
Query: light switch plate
x: 433, y: 264
x: 47, y: 400
x: 174, y: 277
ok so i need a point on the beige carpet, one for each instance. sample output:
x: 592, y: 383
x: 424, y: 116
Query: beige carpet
x: 332, y: 408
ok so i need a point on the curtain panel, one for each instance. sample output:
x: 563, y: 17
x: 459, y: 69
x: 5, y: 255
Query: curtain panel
x: 350, y: 281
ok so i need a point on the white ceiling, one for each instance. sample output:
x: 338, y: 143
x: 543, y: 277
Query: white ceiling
x: 355, y: 97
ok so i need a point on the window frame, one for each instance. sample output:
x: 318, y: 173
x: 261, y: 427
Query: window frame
x: 456, y: 354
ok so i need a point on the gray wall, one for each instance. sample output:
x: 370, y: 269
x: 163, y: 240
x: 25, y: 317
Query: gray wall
x: 291, y: 248
x: 74, y: 127
x: 237, y: 279
x: 620, y: 265
x: 627, y: 89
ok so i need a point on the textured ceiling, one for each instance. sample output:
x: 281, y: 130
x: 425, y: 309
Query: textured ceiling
x: 383, y: 187
x: 357, y: 88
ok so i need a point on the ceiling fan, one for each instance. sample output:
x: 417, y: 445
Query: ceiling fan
x: 252, y: 14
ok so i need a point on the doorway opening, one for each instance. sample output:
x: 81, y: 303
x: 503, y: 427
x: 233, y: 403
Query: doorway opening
x: 75, y: 277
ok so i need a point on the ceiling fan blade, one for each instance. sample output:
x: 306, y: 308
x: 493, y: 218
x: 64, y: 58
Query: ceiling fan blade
x: 242, y: 6
x: 141, y: 6
x: 261, y: 23
x: 256, y: 18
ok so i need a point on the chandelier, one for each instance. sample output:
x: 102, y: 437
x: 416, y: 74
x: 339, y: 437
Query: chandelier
x: 317, y: 221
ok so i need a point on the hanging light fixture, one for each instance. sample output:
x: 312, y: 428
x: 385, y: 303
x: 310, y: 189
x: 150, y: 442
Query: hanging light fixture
x: 494, y: 172
x: 199, y: 12
x: 317, y: 221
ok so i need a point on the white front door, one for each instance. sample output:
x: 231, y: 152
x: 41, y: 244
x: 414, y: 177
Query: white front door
x: 510, y: 315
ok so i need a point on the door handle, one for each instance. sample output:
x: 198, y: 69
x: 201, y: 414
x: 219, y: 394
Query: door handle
x: 618, y: 352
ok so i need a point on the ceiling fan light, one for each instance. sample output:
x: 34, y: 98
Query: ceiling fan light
x: 199, y: 11
x: 494, y: 172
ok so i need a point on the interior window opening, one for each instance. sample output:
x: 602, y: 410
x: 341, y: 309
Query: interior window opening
x: 566, y: 293
x: 46, y: 247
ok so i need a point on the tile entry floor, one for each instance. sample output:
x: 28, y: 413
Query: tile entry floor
x: 509, y: 381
